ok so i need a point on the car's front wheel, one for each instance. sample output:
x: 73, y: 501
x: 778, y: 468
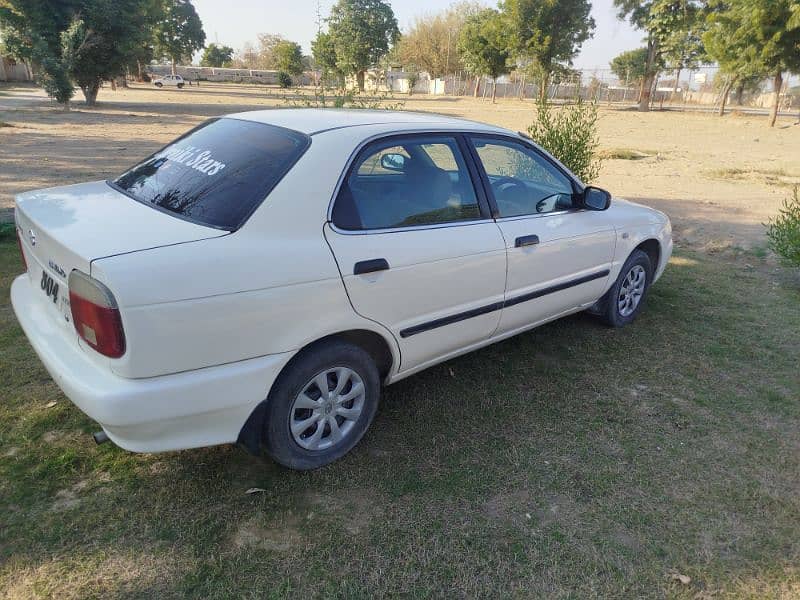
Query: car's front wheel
x: 623, y: 302
x: 321, y: 406
x: 158, y: 84
x: 180, y: 86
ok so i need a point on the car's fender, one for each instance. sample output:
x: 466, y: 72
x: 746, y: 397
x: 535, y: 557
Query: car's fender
x: 636, y: 224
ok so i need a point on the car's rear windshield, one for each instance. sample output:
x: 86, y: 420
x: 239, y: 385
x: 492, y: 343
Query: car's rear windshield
x: 218, y: 173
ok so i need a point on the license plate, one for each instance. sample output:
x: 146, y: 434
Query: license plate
x: 49, y: 287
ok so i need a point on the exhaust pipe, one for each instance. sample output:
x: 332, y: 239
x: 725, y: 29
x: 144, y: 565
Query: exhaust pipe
x: 100, y: 437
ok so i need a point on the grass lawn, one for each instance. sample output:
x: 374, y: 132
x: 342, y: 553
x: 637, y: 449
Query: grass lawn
x: 572, y: 461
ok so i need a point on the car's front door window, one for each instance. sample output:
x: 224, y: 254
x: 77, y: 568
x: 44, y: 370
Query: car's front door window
x: 420, y: 180
x: 522, y: 181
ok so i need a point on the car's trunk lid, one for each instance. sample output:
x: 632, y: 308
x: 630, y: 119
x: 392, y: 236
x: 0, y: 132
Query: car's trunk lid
x: 68, y: 227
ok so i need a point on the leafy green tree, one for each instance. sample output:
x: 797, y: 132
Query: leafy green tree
x: 682, y: 44
x: 362, y: 31
x: 630, y: 66
x: 54, y: 72
x: 664, y: 22
x: 180, y: 33
x: 751, y: 37
x: 216, y: 56
x: 547, y: 34
x: 32, y: 32
x: 324, y: 52
x: 289, y: 57
x: 80, y: 41
x: 484, y: 46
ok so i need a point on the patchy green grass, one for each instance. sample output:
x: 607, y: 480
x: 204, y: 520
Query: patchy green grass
x: 624, y: 154
x: 572, y: 461
x: 777, y: 177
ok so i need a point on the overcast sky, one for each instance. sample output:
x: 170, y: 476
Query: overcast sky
x: 233, y: 22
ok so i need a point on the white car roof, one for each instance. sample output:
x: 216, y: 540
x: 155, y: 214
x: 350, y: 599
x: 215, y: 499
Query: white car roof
x: 317, y: 120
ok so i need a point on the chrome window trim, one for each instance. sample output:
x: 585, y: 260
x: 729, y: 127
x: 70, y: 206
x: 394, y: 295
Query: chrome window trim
x: 539, y: 215
x: 410, y: 228
x: 388, y: 134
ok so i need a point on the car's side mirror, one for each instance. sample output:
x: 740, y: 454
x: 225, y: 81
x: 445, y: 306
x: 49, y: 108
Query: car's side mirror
x: 595, y: 198
x: 393, y: 162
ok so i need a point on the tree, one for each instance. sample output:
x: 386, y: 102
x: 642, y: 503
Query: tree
x: 484, y: 44
x: 682, y: 43
x: 31, y: 32
x: 431, y: 44
x: 362, y: 31
x: 324, y: 52
x: 180, y: 32
x: 751, y: 37
x: 750, y: 84
x: 289, y: 57
x: 548, y: 34
x: 630, y: 66
x: 216, y: 56
x: 664, y: 22
x: 80, y: 41
x: 263, y: 55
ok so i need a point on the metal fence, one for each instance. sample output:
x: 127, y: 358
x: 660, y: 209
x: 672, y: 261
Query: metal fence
x: 697, y: 87
x: 701, y: 86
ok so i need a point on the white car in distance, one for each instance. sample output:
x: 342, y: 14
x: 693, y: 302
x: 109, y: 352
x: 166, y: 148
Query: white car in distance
x: 259, y: 279
x: 173, y: 80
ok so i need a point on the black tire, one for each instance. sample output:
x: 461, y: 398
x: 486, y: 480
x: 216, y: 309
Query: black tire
x: 158, y: 84
x: 180, y: 86
x: 608, y: 307
x: 277, y: 437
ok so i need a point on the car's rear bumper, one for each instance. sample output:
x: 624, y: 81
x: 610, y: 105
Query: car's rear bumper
x: 186, y: 410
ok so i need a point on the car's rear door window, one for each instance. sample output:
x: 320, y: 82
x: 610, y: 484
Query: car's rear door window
x: 218, y: 173
x: 406, y: 182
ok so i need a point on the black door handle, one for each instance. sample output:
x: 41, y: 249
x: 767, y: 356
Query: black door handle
x: 526, y: 240
x: 370, y: 266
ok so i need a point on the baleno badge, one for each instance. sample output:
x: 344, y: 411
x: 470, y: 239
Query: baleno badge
x: 56, y: 268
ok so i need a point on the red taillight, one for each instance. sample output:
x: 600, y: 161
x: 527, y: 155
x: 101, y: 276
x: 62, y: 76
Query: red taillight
x: 96, y: 315
x: 21, y: 251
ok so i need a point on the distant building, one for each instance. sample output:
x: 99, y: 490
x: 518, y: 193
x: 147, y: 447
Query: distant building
x: 192, y: 73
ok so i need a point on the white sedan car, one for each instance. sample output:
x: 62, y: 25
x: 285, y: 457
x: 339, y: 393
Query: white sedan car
x: 258, y: 280
x: 168, y: 80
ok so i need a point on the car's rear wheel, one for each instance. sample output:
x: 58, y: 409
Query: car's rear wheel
x: 158, y: 84
x: 321, y: 406
x: 623, y: 302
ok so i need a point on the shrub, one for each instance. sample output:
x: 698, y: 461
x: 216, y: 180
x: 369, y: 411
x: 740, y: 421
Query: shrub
x: 284, y: 79
x: 784, y: 231
x: 324, y: 97
x: 570, y: 134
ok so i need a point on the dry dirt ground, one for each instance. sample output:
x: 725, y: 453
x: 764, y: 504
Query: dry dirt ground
x: 719, y: 179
